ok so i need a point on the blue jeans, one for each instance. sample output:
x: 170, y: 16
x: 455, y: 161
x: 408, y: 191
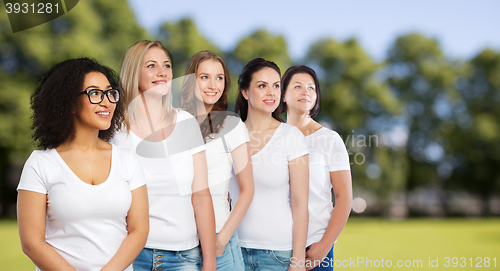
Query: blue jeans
x: 231, y: 259
x: 158, y: 259
x: 327, y: 264
x: 263, y: 259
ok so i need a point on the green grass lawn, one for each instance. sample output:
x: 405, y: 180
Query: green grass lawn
x: 12, y: 257
x: 411, y: 242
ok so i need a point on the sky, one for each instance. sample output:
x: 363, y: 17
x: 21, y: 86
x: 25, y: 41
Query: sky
x: 463, y: 28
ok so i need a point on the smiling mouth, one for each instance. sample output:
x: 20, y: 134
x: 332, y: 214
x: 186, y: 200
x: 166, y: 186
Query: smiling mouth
x: 270, y: 102
x: 211, y: 94
x: 304, y: 101
x: 160, y: 82
x: 103, y: 114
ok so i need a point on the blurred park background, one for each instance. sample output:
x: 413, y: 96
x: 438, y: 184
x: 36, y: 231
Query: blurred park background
x: 422, y: 125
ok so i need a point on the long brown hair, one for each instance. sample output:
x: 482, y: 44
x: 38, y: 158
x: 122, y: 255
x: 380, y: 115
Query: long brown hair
x: 213, y: 123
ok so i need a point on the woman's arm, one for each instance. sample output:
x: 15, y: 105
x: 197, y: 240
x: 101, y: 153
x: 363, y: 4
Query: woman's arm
x: 138, y: 228
x: 299, y: 188
x: 243, y: 168
x: 342, y: 187
x: 31, y: 219
x: 204, y: 211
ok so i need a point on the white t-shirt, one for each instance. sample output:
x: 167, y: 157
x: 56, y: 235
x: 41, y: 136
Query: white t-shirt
x: 169, y: 170
x: 220, y: 164
x: 327, y: 153
x: 268, y: 223
x: 86, y: 224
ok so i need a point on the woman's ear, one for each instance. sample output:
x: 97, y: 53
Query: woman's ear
x: 244, y: 92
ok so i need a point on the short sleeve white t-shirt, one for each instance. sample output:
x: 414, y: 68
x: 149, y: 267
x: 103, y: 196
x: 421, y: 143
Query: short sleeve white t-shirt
x: 268, y: 222
x: 220, y: 164
x: 327, y: 153
x: 169, y: 170
x: 86, y: 224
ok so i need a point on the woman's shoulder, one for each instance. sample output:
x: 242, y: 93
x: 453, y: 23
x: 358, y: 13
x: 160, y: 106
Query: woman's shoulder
x: 125, y: 156
x: 290, y: 130
x: 42, y: 154
x: 183, y: 115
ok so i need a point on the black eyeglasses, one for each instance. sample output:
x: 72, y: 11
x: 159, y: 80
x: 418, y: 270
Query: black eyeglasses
x: 96, y: 96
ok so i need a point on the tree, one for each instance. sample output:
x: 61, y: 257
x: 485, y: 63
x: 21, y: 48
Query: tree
x: 424, y: 79
x: 93, y: 28
x: 360, y: 107
x: 183, y: 40
x: 260, y: 44
x: 475, y: 133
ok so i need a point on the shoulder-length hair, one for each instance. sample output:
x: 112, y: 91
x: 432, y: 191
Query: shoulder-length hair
x: 213, y: 123
x: 55, y: 102
x: 244, y: 80
x: 285, y: 81
x: 129, y: 78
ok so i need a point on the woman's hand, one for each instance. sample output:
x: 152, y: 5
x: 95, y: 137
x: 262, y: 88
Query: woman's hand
x: 316, y: 253
x: 220, y: 244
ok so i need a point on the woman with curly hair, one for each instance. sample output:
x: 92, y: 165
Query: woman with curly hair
x: 328, y: 166
x: 204, y: 95
x: 82, y: 202
x: 172, y: 152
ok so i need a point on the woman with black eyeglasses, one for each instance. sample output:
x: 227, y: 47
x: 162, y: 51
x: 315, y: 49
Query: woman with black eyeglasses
x: 82, y: 202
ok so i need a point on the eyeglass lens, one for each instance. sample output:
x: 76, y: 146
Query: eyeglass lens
x: 96, y: 95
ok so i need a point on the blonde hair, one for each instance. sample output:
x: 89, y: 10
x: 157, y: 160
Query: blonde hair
x: 129, y: 78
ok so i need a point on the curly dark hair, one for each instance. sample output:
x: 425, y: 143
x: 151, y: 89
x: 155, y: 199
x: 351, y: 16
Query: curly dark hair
x: 55, y: 102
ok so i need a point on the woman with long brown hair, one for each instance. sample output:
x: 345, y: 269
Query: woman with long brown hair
x: 204, y: 95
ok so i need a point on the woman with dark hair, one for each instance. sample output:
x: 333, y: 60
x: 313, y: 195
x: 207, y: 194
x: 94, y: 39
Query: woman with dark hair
x: 172, y: 152
x: 204, y: 95
x: 274, y: 231
x: 82, y: 202
x: 328, y: 166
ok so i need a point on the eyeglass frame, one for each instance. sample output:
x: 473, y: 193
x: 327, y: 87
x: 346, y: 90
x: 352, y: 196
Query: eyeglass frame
x: 104, y: 93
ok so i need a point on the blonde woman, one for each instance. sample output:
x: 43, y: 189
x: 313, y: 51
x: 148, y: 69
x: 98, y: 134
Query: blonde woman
x: 204, y: 95
x: 274, y: 231
x: 171, y: 149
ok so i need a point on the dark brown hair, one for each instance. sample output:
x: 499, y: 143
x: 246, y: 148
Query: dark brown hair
x: 55, y: 102
x: 244, y: 80
x: 213, y: 123
x: 285, y: 81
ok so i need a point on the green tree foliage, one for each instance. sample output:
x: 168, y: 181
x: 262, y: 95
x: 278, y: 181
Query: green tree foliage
x: 474, y: 135
x: 360, y: 106
x: 95, y: 29
x: 261, y: 44
x: 183, y: 40
x: 424, y: 81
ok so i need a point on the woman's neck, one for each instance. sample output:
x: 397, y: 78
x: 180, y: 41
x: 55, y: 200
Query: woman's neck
x: 259, y: 121
x: 298, y: 119
x: 149, y: 112
x: 303, y: 121
x: 84, y: 139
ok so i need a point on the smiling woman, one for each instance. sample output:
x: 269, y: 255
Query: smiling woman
x: 274, y: 229
x: 172, y: 152
x: 76, y: 109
